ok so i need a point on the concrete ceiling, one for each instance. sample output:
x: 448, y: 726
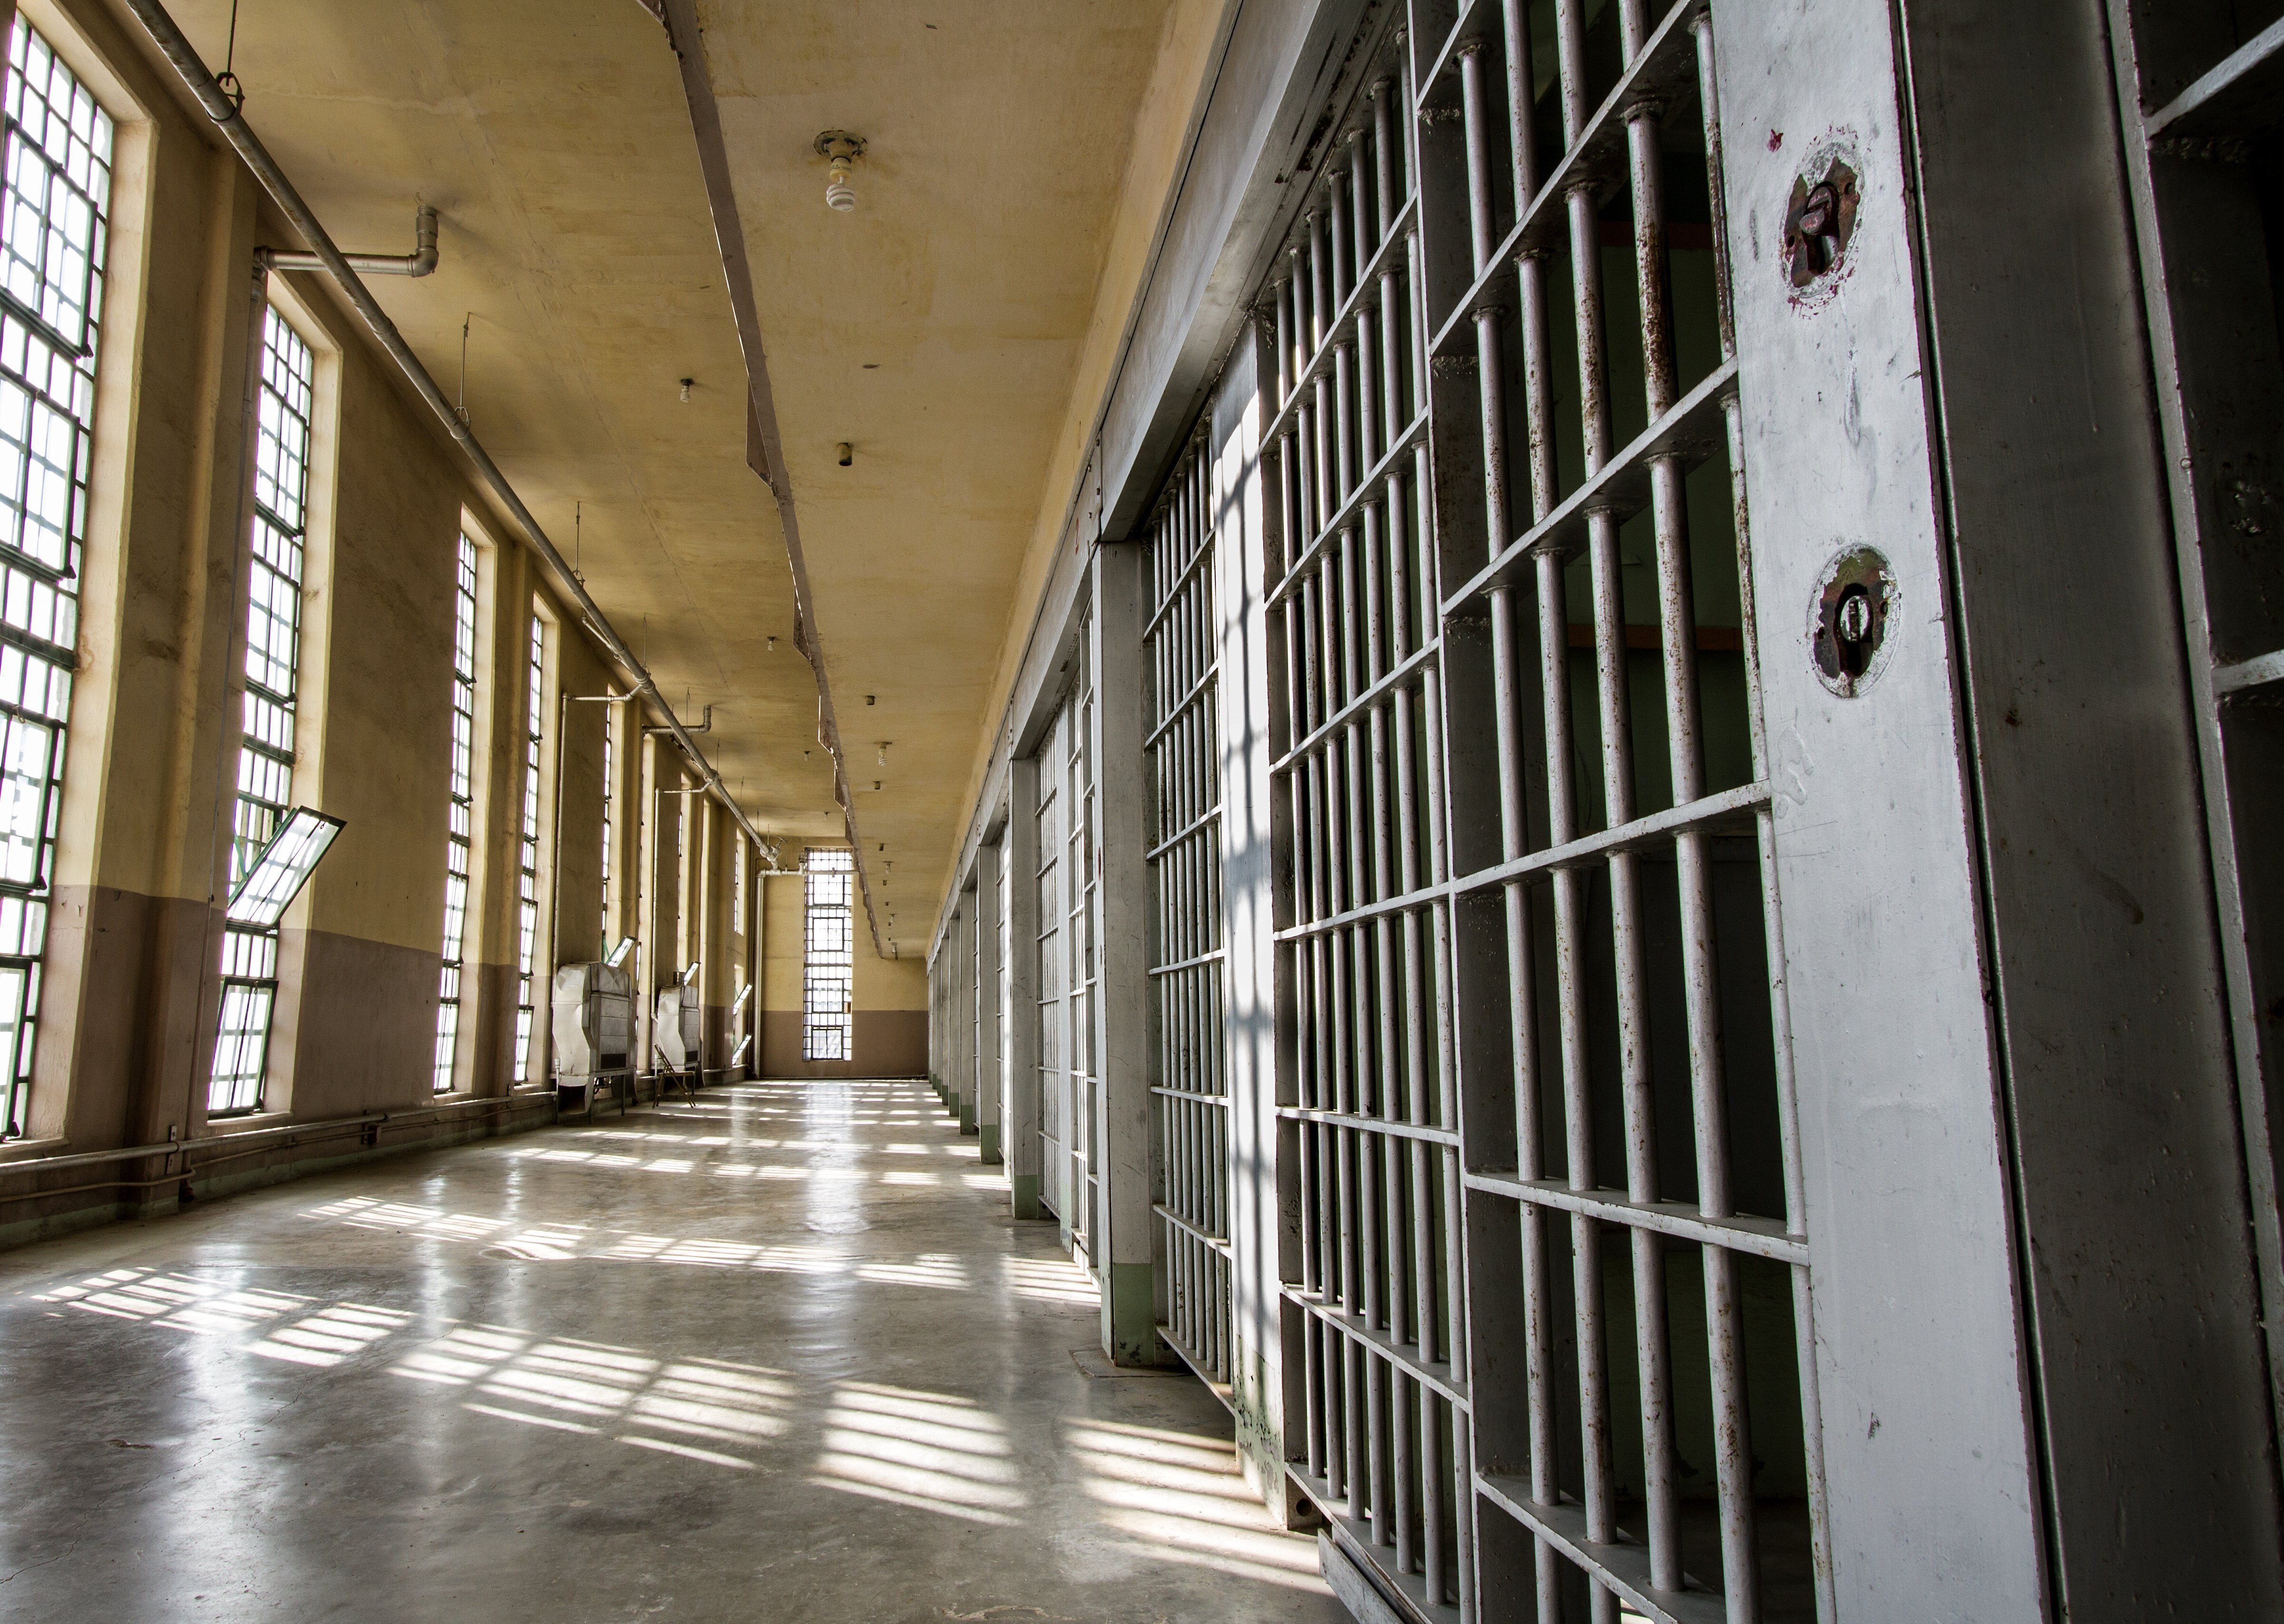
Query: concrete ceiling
x: 952, y: 329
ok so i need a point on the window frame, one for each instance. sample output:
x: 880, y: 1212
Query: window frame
x: 33, y: 590
x: 828, y: 966
x: 270, y: 744
x: 460, y: 815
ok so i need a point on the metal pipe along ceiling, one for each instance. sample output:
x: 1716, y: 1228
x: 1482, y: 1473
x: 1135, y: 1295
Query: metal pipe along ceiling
x: 178, y: 51
x: 420, y: 263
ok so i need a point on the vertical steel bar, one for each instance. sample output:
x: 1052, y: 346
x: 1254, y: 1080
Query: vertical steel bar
x: 1538, y: 411
x: 1610, y: 666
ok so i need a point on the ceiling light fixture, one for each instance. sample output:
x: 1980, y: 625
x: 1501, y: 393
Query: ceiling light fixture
x: 842, y: 149
x: 686, y: 389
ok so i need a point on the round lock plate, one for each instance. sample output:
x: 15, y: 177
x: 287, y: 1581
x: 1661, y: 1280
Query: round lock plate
x: 1849, y: 618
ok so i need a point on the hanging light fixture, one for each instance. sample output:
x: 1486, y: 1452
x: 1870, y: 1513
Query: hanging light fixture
x: 842, y: 149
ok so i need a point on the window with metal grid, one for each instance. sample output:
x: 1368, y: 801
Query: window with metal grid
x: 460, y: 834
x: 829, y: 953
x: 610, y: 802
x: 1549, y: 1191
x: 527, y: 1058
x: 1186, y: 972
x: 266, y: 745
x: 53, y: 198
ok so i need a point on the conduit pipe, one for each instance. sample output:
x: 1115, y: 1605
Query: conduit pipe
x: 325, y: 255
x: 324, y: 1127
x: 419, y: 262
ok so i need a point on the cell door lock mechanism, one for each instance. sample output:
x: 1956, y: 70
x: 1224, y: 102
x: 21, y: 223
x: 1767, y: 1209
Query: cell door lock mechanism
x: 1848, y: 620
x: 1820, y: 225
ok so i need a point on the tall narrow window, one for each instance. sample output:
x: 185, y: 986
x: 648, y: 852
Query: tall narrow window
x: 610, y: 780
x: 266, y: 746
x: 526, y: 919
x: 829, y: 948
x: 52, y: 200
x: 458, y: 841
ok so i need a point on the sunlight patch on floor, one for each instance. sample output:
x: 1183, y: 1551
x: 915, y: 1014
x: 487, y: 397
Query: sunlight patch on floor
x: 1184, y: 1497
x: 1051, y: 1279
x: 934, y: 1452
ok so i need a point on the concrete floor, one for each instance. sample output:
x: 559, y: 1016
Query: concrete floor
x: 780, y: 1355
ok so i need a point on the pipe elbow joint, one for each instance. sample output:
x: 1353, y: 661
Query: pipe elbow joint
x: 423, y: 260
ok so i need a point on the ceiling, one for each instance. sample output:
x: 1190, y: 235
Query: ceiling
x: 953, y: 330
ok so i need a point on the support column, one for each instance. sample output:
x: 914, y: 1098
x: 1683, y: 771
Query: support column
x: 988, y: 974
x: 1019, y: 1058
x: 1265, y: 1240
x: 1122, y: 1149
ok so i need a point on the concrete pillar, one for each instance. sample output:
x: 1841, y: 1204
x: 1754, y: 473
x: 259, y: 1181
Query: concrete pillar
x: 990, y: 956
x: 1122, y: 1149
x: 1263, y: 1241
x: 1019, y: 1057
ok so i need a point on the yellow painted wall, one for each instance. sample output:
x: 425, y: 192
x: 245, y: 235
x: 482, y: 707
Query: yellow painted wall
x: 889, y: 1031
x: 127, y: 1023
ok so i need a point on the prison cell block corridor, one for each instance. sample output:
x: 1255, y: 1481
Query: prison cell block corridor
x: 1161, y: 811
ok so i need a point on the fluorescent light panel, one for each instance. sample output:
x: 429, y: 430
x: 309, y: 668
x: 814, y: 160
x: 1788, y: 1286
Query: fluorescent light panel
x: 284, y: 868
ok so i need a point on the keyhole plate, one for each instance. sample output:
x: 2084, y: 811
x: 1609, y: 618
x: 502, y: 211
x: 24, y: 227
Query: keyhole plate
x: 1850, y: 617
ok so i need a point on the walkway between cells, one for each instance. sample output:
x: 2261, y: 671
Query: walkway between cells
x: 779, y: 1354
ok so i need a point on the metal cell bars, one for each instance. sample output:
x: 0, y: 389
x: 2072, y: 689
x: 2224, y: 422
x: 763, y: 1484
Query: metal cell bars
x: 1385, y: 1433
x: 56, y: 165
x: 1054, y: 1036
x: 828, y: 953
x: 1082, y: 901
x: 527, y: 864
x: 266, y: 742
x: 460, y: 831
x: 1186, y: 972
x: 1632, y: 1174
x: 2201, y: 139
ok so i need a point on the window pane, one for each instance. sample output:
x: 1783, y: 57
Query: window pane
x: 55, y: 183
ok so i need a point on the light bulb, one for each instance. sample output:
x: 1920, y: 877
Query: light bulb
x: 686, y: 389
x: 839, y: 149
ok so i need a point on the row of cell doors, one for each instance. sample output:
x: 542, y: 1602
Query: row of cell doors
x: 1482, y: 661
x: 1189, y: 1103
x: 1068, y: 890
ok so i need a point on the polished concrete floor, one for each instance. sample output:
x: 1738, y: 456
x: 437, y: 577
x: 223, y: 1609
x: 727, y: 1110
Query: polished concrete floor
x: 777, y: 1355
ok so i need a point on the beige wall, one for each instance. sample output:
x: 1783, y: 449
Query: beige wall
x: 128, y: 1022
x: 890, y: 1036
